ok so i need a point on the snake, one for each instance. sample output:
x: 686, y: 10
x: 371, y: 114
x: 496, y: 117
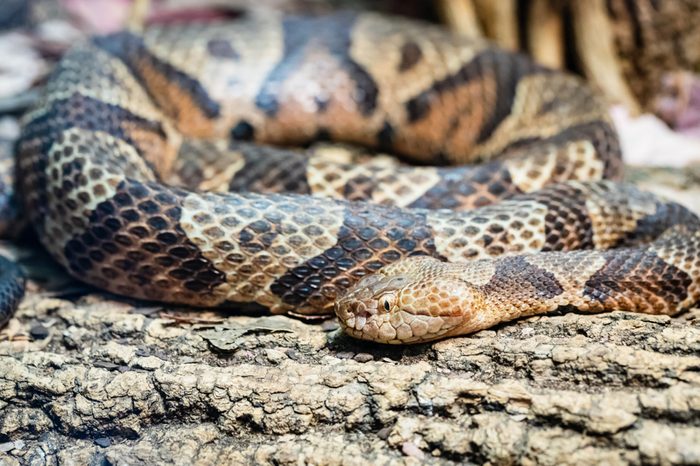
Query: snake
x: 182, y: 165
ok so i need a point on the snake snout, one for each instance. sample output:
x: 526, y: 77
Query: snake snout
x: 408, y: 308
x: 354, y: 312
x: 367, y: 300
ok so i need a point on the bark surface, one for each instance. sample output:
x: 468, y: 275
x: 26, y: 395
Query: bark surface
x: 98, y: 380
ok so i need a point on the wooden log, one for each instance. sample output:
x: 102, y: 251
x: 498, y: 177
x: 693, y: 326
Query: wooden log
x: 460, y: 16
x: 138, y: 15
x: 595, y: 47
x: 545, y: 32
x: 500, y: 21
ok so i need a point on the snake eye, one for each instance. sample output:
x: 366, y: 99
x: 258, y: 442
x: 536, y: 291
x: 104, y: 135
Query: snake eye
x: 387, y: 301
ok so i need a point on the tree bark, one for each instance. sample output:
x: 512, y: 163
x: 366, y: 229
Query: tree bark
x: 100, y: 380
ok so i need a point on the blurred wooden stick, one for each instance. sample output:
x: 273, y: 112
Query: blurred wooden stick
x: 138, y: 15
x: 545, y: 32
x: 595, y: 45
x: 500, y: 21
x: 460, y: 16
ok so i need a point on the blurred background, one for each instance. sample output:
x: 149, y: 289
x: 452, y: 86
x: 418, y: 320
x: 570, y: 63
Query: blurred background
x: 643, y: 55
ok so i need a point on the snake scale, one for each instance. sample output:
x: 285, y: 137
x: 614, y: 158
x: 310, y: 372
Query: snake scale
x: 148, y: 170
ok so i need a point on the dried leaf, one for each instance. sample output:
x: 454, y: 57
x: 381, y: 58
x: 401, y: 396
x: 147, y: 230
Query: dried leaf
x: 227, y: 337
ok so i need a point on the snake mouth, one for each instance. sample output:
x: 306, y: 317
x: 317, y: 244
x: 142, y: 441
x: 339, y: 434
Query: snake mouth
x: 412, y: 304
x: 383, y: 328
x: 354, y: 315
x: 362, y: 320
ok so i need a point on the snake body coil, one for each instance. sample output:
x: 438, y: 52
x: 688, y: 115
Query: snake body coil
x: 115, y: 161
x: 11, y: 288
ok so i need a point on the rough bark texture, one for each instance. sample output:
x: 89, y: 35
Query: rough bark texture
x: 95, y: 380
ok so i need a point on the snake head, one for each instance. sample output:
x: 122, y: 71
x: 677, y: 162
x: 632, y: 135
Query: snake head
x: 412, y: 301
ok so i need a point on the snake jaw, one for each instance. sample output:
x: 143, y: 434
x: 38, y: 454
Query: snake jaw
x: 358, y: 305
x: 399, y: 309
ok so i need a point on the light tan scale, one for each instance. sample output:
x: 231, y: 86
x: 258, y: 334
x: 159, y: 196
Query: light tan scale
x: 512, y: 226
x: 94, y: 182
x: 573, y: 161
x: 686, y: 256
x: 330, y: 180
x: 529, y: 119
x: 304, y: 231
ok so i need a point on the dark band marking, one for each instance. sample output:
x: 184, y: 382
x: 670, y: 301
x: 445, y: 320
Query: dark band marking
x: 334, y: 34
x: 600, y: 133
x: 371, y: 237
x: 11, y: 288
x: 221, y: 48
x: 516, y: 273
x: 411, y: 55
x: 243, y: 131
x: 465, y: 187
x: 605, y: 142
x: 567, y: 222
x: 79, y: 111
x: 639, y: 275
x: 322, y: 134
x: 507, y: 70
x: 135, y: 237
x: 385, y: 137
x: 271, y: 170
x: 131, y: 50
x: 651, y: 227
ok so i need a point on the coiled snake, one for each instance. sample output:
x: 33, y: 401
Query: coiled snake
x: 141, y: 172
